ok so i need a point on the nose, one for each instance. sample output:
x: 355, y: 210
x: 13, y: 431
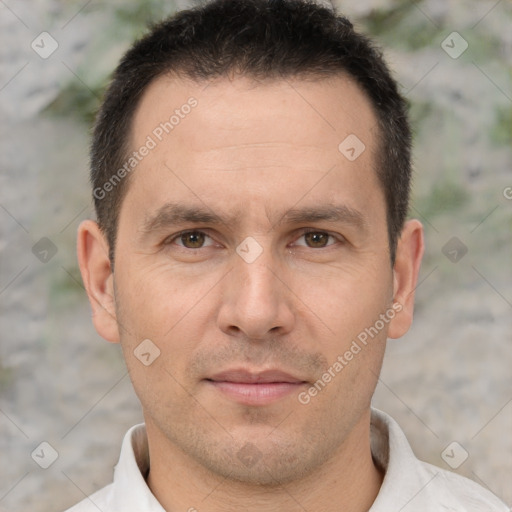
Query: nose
x: 256, y: 300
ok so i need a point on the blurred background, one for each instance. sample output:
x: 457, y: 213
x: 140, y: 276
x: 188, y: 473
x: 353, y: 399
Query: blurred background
x: 448, y: 380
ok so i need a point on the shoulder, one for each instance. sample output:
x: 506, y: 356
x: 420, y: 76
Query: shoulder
x: 100, y: 500
x: 463, y: 493
x: 411, y: 485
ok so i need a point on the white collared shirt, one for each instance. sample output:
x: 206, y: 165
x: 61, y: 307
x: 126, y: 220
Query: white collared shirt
x: 409, y: 485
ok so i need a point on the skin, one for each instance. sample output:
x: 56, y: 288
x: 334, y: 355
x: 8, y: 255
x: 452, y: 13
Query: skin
x: 251, y: 152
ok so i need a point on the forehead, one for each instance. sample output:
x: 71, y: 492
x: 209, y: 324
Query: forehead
x: 253, y: 140
x: 332, y: 108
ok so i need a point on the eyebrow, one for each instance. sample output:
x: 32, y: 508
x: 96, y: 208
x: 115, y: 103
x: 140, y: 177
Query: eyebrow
x: 177, y: 213
x: 171, y: 214
x: 329, y: 212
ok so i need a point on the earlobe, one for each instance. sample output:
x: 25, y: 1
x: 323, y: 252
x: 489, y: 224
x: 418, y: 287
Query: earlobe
x: 409, y: 254
x: 92, y: 251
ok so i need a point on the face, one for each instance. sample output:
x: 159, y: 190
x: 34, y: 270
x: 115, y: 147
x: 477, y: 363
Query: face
x: 252, y: 252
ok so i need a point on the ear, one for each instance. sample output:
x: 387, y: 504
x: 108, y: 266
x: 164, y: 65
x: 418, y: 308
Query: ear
x: 409, y: 253
x: 92, y: 249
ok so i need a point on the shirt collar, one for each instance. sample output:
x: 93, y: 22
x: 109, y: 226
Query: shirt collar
x: 408, y: 485
x: 130, y: 490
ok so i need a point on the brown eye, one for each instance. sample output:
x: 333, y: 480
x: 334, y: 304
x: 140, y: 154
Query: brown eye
x: 192, y: 239
x: 316, y: 239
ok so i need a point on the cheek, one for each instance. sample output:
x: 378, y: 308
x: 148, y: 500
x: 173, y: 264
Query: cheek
x: 156, y: 299
x: 348, y: 300
x: 163, y: 317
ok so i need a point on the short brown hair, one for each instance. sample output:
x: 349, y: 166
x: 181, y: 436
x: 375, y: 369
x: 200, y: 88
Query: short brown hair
x: 261, y: 39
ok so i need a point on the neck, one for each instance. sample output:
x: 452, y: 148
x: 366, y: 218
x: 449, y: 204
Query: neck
x: 347, y: 481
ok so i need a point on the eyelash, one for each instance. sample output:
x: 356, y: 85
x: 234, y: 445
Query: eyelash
x: 303, y: 232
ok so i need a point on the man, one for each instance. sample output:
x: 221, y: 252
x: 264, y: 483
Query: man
x: 251, y: 174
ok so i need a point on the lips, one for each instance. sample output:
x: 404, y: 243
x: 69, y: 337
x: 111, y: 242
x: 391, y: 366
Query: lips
x: 255, y: 388
x: 247, y: 377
